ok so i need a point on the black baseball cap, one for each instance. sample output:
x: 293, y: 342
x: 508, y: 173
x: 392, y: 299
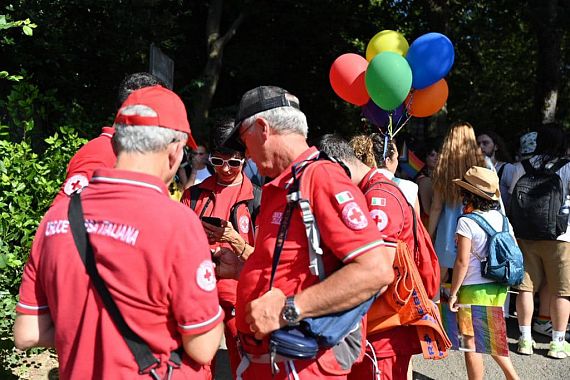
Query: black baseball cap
x: 257, y: 100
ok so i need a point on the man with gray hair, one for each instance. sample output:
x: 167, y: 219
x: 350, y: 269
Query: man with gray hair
x: 273, y: 129
x: 159, y: 275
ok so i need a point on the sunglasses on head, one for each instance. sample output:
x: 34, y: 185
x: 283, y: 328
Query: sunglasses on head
x: 232, y: 162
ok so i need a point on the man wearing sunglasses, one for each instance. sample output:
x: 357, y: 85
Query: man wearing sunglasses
x: 222, y: 201
x: 273, y: 130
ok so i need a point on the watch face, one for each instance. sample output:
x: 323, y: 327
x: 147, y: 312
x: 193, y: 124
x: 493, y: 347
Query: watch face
x: 290, y: 312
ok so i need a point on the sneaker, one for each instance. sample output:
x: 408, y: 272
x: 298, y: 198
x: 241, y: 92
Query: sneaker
x: 559, y: 350
x: 526, y: 346
x: 543, y: 328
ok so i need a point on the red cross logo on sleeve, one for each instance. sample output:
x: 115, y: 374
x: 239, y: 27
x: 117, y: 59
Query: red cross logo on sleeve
x: 205, y: 276
x: 74, y: 183
x: 353, y: 217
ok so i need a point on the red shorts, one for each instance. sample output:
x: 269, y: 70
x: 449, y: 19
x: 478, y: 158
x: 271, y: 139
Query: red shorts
x: 307, y: 370
x: 393, y: 367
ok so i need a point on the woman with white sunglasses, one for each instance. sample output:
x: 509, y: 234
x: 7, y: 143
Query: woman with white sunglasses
x: 224, y: 203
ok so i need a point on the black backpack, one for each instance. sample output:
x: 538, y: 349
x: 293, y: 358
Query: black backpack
x: 252, y: 204
x: 536, y: 201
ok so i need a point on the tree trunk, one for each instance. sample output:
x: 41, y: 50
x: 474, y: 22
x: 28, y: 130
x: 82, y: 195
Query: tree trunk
x: 211, y: 73
x: 547, y: 26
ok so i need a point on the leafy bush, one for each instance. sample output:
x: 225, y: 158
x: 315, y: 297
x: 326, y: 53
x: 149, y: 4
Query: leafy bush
x: 28, y: 183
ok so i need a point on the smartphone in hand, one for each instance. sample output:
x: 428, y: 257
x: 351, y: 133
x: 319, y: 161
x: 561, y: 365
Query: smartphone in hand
x: 212, y: 220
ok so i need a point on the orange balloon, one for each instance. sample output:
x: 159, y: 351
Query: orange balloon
x: 347, y: 78
x: 427, y: 101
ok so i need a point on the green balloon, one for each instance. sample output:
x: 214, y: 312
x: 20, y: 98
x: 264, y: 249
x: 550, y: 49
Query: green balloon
x: 388, y: 80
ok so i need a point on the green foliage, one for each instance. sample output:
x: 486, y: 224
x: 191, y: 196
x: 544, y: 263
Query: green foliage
x: 28, y: 184
x: 27, y: 28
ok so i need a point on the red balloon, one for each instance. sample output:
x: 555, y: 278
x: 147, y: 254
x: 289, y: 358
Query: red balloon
x: 427, y: 101
x: 347, y: 78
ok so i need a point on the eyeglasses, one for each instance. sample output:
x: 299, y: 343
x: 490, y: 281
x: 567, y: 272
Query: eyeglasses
x: 232, y: 162
x: 198, y: 153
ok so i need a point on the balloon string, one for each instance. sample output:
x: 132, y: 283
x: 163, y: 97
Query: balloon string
x: 390, y: 125
x: 402, y: 126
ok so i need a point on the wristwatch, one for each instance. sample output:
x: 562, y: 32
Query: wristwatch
x: 291, y: 313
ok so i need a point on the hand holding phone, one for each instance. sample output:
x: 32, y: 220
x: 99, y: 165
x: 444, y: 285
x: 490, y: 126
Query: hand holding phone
x: 214, y: 221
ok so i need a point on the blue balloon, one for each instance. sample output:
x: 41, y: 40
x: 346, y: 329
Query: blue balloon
x: 430, y: 57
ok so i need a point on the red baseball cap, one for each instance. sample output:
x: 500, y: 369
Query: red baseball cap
x: 168, y: 107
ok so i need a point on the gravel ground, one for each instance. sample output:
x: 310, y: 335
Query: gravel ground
x: 535, y: 367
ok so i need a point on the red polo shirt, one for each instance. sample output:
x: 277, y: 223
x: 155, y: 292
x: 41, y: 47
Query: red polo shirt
x: 393, y: 216
x: 95, y: 154
x: 347, y: 231
x: 160, y: 276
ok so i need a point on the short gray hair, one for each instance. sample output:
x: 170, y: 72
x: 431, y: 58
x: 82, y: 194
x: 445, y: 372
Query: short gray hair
x: 283, y: 120
x: 142, y: 138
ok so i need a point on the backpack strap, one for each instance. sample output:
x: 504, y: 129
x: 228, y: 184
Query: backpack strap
x: 559, y: 164
x: 505, y: 223
x: 295, y: 198
x: 501, y: 170
x: 195, y: 192
x: 255, y: 204
x: 482, y: 223
x: 528, y: 168
x: 252, y: 205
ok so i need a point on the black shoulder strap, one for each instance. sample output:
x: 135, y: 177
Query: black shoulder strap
x: 254, y: 205
x: 528, y: 168
x: 501, y: 170
x: 559, y: 164
x: 195, y: 192
x: 146, y: 361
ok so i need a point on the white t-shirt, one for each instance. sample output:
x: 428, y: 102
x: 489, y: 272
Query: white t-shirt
x: 201, y: 175
x: 563, y: 172
x: 471, y: 230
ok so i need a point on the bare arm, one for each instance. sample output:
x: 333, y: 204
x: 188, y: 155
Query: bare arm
x: 459, y: 268
x: 347, y: 287
x: 203, y: 347
x: 434, y: 213
x: 33, y: 331
x: 425, y: 192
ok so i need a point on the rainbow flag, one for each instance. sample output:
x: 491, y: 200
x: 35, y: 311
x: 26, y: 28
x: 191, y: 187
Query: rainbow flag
x: 490, y: 330
x: 409, y: 162
x: 449, y: 322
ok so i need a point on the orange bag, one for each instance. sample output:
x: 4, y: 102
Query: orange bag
x: 405, y: 303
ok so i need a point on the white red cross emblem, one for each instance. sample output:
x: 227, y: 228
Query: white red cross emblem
x: 74, y: 183
x: 353, y: 217
x: 205, y: 277
x: 244, y: 224
x: 380, y: 217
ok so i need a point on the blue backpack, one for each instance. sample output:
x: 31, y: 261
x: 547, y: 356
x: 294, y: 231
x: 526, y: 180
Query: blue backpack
x: 504, y: 261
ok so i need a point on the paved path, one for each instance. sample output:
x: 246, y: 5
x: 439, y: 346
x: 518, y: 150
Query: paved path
x: 535, y: 367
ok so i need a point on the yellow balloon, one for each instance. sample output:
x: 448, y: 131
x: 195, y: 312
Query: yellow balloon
x: 387, y: 40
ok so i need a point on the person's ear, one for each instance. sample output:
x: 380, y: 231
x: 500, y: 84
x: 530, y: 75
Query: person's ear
x: 264, y: 128
x: 175, y: 153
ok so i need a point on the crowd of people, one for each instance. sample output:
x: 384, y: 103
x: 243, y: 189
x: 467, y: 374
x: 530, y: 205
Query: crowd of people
x: 271, y: 235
